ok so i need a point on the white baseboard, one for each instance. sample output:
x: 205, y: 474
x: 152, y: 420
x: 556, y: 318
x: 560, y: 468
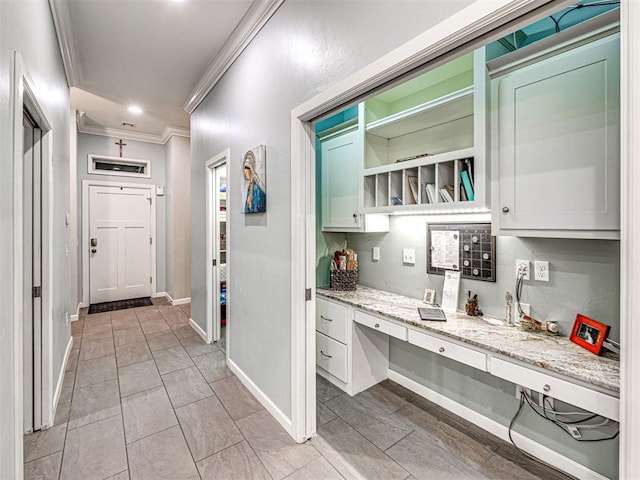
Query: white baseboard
x: 198, y: 329
x: 524, y: 443
x: 262, y: 398
x: 63, y: 368
x: 181, y: 301
x: 172, y: 301
x: 76, y: 315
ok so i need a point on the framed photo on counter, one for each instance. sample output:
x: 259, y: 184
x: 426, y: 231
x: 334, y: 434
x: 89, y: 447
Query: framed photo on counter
x: 589, y: 333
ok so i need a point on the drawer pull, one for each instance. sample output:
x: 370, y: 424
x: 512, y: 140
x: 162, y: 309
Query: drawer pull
x: 326, y: 319
x: 325, y: 355
x: 546, y: 387
x: 377, y: 325
x: 441, y: 349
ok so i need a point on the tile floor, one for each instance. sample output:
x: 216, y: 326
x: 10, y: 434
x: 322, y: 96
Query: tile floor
x: 145, y: 398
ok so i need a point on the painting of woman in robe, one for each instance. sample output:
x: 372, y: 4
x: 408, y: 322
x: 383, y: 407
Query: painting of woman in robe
x: 255, y: 196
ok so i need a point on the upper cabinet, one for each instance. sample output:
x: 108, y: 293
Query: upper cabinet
x: 556, y: 132
x: 341, y: 172
x: 425, y: 142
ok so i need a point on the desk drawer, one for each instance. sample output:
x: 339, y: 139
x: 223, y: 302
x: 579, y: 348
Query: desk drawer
x: 384, y: 326
x: 331, y: 319
x: 450, y: 350
x: 331, y: 356
x: 596, y: 402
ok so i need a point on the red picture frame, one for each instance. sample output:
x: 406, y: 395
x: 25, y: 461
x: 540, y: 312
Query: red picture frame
x: 589, y: 333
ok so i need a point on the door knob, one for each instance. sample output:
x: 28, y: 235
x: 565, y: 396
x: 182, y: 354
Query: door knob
x: 94, y: 250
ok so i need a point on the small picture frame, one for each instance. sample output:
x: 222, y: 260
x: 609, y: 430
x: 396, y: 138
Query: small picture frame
x: 589, y: 333
x: 429, y: 296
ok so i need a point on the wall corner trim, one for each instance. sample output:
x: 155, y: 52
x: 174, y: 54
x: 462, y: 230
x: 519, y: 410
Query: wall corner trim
x: 256, y: 17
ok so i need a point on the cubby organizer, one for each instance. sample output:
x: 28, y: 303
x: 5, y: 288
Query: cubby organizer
x: 428, y: 134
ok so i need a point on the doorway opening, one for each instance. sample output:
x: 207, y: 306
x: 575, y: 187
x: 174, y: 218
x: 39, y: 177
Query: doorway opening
x: 465, y: 32
x: 35, y: 395
x: 217, y: 225
x: 33, y: 281
x: 119, y: 239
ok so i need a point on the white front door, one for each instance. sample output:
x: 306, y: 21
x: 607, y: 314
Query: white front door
x: 119, y: 243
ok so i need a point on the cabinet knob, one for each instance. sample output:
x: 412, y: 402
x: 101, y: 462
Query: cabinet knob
x: 546, y: 387
x: 326, y: 319
x: 377, y: 325
x: 355, y: 215
x: 505, y: 209
x: 325, y: 355
x: 441, y: 349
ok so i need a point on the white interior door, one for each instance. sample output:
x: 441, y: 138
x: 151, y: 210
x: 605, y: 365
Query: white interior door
x: 119, y: 243
x: 32, y: 278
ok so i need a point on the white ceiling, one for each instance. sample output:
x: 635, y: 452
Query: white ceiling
x: 162, y: 55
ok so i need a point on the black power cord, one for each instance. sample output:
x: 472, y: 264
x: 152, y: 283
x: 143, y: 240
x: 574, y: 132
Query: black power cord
x: 578, y: 7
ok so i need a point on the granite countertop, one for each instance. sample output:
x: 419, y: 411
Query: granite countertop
x: 556, y: 354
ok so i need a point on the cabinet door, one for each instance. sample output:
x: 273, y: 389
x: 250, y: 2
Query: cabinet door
x: 559, y: 123
x: 341, y: 166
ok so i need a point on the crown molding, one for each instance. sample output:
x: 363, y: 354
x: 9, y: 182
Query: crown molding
x: 256, y: 17
x: 61, y: 12
x: 167, y: 133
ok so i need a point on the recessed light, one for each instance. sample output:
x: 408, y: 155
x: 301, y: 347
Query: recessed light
x: 135, y: 109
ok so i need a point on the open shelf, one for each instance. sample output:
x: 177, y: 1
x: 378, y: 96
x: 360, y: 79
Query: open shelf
x: 406, y: 189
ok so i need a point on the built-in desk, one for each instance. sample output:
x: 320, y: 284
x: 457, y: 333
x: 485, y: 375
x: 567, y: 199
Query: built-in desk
x: 357, y: 357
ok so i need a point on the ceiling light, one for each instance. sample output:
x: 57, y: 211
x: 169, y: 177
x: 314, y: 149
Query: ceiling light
x: 135, y: 109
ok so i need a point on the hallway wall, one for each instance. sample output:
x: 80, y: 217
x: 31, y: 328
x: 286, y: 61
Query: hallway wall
x: 306, y: 46
x: 27, y: 27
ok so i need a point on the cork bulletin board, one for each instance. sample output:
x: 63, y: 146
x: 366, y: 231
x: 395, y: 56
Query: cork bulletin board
x: 469, y: 248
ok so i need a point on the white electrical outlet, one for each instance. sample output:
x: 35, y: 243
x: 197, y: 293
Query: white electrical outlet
x: 375, y: 254
x: 409, y: 256
x: 522, y: 268
x: 66, y: 319
x: 541, y: 270
x: 526, y: 308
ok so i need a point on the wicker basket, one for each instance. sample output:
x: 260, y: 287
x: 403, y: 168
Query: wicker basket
x: 344, y: 279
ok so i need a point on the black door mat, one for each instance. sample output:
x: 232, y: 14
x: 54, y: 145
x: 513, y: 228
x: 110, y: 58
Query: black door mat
x: 119, y: 305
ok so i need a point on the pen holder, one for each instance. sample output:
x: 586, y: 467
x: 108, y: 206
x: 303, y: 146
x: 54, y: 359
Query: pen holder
x: 471, y: 307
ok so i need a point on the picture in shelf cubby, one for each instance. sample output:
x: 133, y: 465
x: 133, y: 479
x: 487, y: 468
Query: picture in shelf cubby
x: 468, y: 248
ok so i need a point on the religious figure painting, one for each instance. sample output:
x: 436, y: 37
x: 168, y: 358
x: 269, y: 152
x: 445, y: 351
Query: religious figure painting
x: 254, y: 180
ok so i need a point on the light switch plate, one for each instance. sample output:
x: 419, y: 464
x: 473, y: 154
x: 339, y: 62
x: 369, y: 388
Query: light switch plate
x: 409, y: 256
x: 375, y: 254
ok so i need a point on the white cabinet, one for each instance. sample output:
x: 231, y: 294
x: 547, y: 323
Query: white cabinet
x: 557, y: 138
x: 350, y: 357
x: 341, y: 173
